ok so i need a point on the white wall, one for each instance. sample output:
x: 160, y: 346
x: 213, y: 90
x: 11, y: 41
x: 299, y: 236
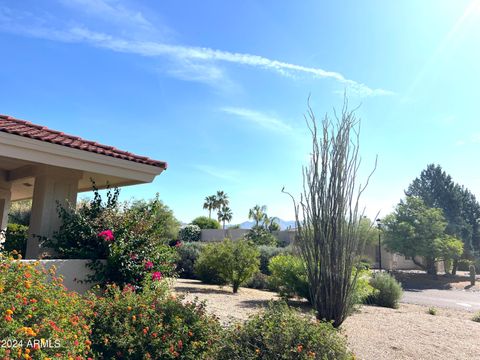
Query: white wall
x: 73, y: 271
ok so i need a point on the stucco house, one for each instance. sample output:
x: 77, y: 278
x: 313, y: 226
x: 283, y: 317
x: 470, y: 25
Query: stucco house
x: 49, y: 166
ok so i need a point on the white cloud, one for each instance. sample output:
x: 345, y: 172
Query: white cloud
x: 110, y: 10
x: 193, y: 62
x: 258, y: 118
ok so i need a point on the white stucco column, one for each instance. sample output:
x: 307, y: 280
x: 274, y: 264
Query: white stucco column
x: 5, y: 197
x: 52, y: 186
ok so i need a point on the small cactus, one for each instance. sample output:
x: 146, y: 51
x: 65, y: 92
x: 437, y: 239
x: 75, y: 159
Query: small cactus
x: 473, y: 274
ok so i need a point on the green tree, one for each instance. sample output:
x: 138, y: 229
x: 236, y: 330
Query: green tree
x: 258, y: 214
x: 271, y: 224
x: 414, y: 229
x: 210, y: 204
x: 221, y: 199
x: 449, y: 249
x: 460, y: 208
x: 235, y: 262
x: 368, y: 231
x: 225, y: 215
x: 204, y: 222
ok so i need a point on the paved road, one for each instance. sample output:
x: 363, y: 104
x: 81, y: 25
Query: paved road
x: 455, y: 299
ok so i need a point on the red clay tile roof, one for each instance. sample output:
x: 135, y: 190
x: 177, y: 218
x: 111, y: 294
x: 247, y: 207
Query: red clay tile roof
x: 23, y: 128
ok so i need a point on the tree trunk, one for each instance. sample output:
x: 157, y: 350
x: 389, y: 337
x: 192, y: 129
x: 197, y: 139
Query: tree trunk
x: 454, y: 267
x: 235, y: 287
x: 431, y: 268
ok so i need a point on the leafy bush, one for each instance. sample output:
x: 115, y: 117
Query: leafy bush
x: 388, y: 290
x: 282, y: 333
x: 151, y: 324
x: 260, y: 236
x: 231, y: 262
x: 464, y: 264
x: 16, y: 238
x: 268, y: 252
x: 432, y: 311
x: 187, y: 257
x: 476, y: 317
x: 78, y: 237
x: 190, y: 233
x: 204, y: 222
x: 259, y: 281
x: 35, y: 305
x: 288, y: 276
x: 130, y: 260
x: 206, y: 266
x: 20, y: 212
x: 363, y: 292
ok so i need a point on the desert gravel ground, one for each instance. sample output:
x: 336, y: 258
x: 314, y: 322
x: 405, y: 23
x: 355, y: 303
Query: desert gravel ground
x: 373, y: 333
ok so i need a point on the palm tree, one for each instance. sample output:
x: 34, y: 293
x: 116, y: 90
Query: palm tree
x: 222, y: 199
x: 258, y: 214
x: 210, y: 204
x: 271, y: 224
x: 225, y: 215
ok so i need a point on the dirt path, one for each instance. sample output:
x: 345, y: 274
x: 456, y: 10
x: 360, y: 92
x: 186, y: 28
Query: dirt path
x: 373, y: 333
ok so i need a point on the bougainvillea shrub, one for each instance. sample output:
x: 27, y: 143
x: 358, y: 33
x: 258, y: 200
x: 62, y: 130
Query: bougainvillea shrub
x: 39, y: 318
x: 129, y: 261
x: 151, y: 324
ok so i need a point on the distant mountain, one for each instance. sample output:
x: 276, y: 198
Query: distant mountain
x: 283, y: 224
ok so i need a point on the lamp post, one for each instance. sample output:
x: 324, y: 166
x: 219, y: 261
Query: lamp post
x: 379, y: 226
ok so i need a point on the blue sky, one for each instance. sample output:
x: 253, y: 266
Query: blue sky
x: 218, y: 89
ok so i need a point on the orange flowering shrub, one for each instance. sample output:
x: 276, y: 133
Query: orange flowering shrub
x: 151, y: 324
x: 282, y: 333
x: 39, y: 318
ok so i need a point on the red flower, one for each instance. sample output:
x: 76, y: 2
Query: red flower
x: 178, y: 244
x: 157, y: 275
x: 107, y: 235
x: 149, y: 265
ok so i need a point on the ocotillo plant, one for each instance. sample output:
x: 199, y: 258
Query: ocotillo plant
x: 327, y: 214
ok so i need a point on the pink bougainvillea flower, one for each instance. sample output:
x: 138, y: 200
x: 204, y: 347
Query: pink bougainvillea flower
x: 157, y: 275
x: 149, y: 265
x: 107, y: 235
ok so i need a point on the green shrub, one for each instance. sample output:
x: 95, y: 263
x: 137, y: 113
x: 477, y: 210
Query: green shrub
x: 151, y: 324
x: 16, y: 238
x: 35, y: 305
x: 288, y: 276
x: 259, y: 281
x: 129, y: 261
x: 476, y: 317
x: 78, y: 237
x: 187, y: 257
x: 432, y: 311
x: 190, y: 233
x: 204, y: 222
x: 231, y: 262
x: 363, y: 292
x: 260, y: 236
x: 206, y: 266
x: 464, y: 264
x: 282, y: 333
x: 388, y: 290
x: 268, y: 252
x: 20, y: 212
